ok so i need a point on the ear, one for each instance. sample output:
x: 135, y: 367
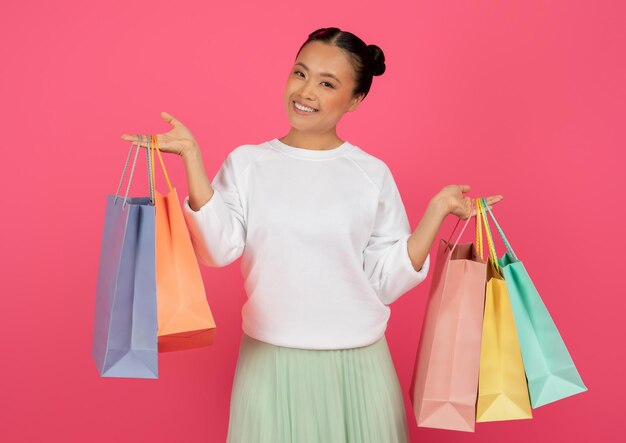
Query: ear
x: 356, y: 100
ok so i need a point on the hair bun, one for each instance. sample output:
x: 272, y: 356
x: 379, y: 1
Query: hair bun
x: 378, y: 60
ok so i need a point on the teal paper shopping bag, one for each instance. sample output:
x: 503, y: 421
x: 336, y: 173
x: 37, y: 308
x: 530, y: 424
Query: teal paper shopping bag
x: 549, y: 368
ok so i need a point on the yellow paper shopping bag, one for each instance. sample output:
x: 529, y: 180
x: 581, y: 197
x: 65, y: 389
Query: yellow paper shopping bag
x: 502, y: 387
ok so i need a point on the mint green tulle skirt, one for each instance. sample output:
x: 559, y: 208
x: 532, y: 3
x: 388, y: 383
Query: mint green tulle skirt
x: 290, y: 395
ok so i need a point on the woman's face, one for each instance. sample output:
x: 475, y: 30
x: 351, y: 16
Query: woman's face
x: 321, y: 78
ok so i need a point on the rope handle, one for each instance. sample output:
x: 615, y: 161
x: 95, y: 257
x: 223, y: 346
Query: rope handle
x: 479, y: 235
x: 119, y: 186
x: 150, y: 176
x: 132, y: 171
x: 479, y: 231
x: 154, y: 146
x: 460, y: 234
x: 492, y: 249
x: 504, y: 239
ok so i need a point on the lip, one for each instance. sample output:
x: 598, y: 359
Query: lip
x: 302, y: 104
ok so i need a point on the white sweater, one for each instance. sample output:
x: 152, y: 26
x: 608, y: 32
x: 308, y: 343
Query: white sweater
x: 323, y: 240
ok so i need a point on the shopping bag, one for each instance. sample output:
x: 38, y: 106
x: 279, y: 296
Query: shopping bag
x: 444, y: 384
x: 549, y: 368
x: 185, y: 320
x: 125, y: 319
x: 502, y: 387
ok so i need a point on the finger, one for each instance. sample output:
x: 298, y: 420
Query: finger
x: 145, y: 139
x: 169, y: 118
x: 465, y: 188
x: 494, y: 199
x: 129, y: 138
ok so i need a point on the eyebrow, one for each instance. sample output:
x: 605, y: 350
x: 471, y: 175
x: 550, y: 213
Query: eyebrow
x: 323, y: 74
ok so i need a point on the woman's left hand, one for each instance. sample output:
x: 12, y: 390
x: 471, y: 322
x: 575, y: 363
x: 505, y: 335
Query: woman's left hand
x: 452, y: 196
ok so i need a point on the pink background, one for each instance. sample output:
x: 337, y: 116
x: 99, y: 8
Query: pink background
x: 523, y: 99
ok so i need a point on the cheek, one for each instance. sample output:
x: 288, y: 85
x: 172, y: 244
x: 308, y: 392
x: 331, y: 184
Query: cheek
x: 334, y: 102
x: 290, y: 85
x: 289, y: 90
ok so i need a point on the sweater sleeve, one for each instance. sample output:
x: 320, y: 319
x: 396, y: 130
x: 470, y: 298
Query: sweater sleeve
x: 386, y: 259
x: 218, y: 228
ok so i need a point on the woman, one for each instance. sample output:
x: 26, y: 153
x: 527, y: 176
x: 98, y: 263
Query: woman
x: 326, y: 247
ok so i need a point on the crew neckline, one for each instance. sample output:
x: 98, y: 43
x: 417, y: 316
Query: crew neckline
x: 311, y: 153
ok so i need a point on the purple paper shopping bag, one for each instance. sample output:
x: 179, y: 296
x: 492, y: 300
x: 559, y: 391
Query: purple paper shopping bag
x: 125, y: 321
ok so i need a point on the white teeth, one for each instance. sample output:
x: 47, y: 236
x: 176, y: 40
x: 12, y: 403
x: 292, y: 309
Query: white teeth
x: 304, y: 108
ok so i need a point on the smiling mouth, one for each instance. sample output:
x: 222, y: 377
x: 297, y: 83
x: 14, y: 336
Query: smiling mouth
x: 304, y: 110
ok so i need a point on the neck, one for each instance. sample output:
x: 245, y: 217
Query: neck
x: 309, y: 140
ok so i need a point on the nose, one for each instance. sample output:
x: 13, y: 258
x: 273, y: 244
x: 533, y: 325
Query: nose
x: 306, y: 92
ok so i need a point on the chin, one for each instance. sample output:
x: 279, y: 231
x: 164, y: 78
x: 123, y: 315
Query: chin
x: 299, y: 126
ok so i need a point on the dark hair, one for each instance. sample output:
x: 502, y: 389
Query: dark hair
x: 367, y: 60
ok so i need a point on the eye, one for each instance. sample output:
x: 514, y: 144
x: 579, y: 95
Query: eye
x: 329, y: 84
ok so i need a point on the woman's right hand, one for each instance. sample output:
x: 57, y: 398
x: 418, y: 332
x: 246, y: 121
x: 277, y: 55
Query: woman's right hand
x: 178, y: 140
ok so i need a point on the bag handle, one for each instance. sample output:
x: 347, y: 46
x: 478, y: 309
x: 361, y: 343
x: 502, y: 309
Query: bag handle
x: 504, y: 239
x: 461, y: 233
x: 130, y: 178
x: 492, y: 250
x: 119, y: 186
x: 154, y: 146
x: 479, y: 229
x: 150, y: 175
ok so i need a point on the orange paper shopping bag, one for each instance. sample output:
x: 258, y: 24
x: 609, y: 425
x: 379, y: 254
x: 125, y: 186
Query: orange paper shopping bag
x: 184, y: 317
x: 444, y: 385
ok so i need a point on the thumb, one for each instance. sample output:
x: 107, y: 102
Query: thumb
x: 465, y: 188
x: 169, y: 118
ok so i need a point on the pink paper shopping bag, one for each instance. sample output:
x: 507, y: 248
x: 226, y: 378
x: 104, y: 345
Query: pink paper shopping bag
x: 444, y: 386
